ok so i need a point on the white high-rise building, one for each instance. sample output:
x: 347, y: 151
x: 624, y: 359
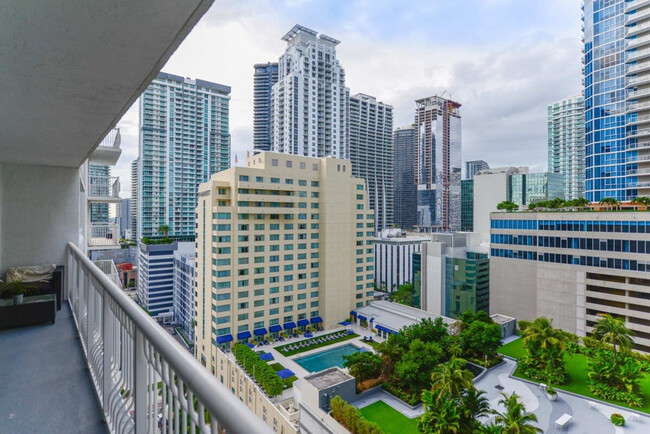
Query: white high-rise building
x: 310, y: 102
x: 371, y: 153
x: 566, y: 143
x: 134, y: 199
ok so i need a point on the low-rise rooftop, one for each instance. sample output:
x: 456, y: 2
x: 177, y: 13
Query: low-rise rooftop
x: 328, y: 378
x: 395, y: 316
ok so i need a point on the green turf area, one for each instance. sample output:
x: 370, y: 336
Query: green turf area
x: 288, y: 382
x: 389, y: 420
x: 282, y: 350
x: 373, y: 344
x: 578, y: 370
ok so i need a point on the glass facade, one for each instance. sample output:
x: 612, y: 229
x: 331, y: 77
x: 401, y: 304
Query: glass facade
x: 417, y: 279
x: 184, y: 139
x: 438, y: 168
x: 467, y: 205
x: 566, y: 143
x: 405, y: 190
x: 526, y: 188
x: 266, y: 75
x: 616, y: 90
x: 471, y: 167
x: 467, y: 284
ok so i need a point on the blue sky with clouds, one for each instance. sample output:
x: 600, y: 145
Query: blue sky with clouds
x: 503, y: 60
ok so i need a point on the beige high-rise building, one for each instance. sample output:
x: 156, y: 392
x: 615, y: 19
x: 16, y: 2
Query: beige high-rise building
x: 283, y: 242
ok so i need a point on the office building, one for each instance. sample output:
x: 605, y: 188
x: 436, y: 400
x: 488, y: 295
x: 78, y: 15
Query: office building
x: 454, y: 274
x: 155, y: 290
x: 471, y: 167
x: 394, y: 251
x: 572, y: 266
x: 265, y: 76
x: 283, y: 242
x: 514, y: 184
x: 184, y: 138
x: 125, y: 218
x: 491, y: 187
x: 566, y: 143
x: 371, y: 153
x: 184, y: 278
x: 438, y: 164
x: 526, y: 188
x: 617, y: 104
x: 310, y: 100
x: 134, y: 199
x: 405, y: 190
x: 467, y: 205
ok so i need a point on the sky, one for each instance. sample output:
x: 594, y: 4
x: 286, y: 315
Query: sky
x: 503, y: 60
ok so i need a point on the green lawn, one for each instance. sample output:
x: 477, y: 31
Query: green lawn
x: 288, y: 382
x: 389, y: 420
x: 578, y: 369
x: 282, y: 350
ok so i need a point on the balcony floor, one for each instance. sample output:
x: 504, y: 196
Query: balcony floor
x: 44, y: 384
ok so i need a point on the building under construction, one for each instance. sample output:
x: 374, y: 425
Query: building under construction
x: 438, y: 164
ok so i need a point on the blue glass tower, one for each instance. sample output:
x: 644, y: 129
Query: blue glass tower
x: 617, y: 106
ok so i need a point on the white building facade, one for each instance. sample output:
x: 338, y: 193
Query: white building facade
x: 184, y: 278
x: 310, y: 102
x: 394, y: 258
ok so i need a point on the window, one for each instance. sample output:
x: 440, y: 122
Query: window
x: 221, y: 215
x: 314, y: 183
x: 243, y: 178
x: 274, y: 162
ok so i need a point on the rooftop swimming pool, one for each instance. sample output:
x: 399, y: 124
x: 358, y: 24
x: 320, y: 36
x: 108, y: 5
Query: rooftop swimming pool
x: 326, y: 359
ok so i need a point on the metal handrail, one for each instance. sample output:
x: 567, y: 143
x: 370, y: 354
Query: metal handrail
x: 162, y: 377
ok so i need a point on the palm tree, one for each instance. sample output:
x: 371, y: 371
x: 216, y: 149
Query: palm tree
x: 515, y: 420
x: 610, y: 330
x: 163, y: 229
x: 450, y: 380
x: 609, y: 201
x: 541, y: 333
x: 642, y: 200
x: 474, y: 405
x: 439, y: 417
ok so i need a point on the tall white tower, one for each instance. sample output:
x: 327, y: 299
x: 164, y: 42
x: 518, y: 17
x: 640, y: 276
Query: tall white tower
x: 310, y: 101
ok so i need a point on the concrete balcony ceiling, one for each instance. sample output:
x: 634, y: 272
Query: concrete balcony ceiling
x: 70, y: 70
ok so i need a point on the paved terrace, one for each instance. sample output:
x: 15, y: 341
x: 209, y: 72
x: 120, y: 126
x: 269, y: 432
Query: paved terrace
x: 44, y: 384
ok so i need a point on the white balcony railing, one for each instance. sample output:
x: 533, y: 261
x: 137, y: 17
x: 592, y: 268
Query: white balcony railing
x: 146, y: 382
x: 104, y: 186
x: 103, y: 234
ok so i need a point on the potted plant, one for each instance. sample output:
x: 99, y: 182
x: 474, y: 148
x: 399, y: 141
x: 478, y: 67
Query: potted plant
x: 551, y: 394
x: 617, y: 419
x: 18, y: 288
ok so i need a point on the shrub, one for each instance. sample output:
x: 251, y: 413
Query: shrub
x: 351, y: 418
x: 617, y: 419
x: 263, y: 373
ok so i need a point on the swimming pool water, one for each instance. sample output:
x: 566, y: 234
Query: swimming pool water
x: 326, y: 359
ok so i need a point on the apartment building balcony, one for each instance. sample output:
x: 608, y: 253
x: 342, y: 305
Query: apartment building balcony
x: 637, y: 42
x: 108, y: 151
x: 636, y: 4
x: 103, y: 236
x: 635, y: 56
x: 105, y: 365
x: 104, y: 189
x: 637, y: 30
x: 638, y: 94
x: 636, y: 18
x: 638, y: 81
x: 638, y: 146
x: 641, y: 132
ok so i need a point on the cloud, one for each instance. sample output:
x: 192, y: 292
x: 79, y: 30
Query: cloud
x: 503, y: 60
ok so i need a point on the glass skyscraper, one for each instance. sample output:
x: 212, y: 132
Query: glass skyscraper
x: 471, y: 167
x: 371, y: 153
x: 438, y: 168
x: 526, y: 188
x: 266, y: 75
x: 617, y: 98
x: 184, y: 138
x: 566, y: 143
x: 467, y: 205
x: 404, y: 151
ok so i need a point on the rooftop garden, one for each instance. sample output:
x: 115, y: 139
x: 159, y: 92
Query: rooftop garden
x: 390, y: 420
x: 602, y: 366
x: 580, y: 204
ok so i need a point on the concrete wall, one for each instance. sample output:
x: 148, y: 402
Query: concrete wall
x: 489, y: 191
x: 433, y: 277
x: 556, y: 294
x: 513, y: 289
x: 40, y: 214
